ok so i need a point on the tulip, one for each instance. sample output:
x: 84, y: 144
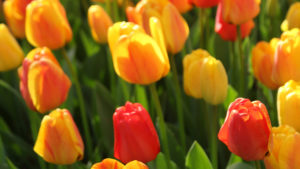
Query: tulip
x: 47, y: 25
x: 174, y: 26
x: 287, y: 60
x: 108, y: 163
x: 99, y: 23
x: 284, y: 152
x: 292, y: 18
x: 182, y: 5
x: 135, y: 135
x: 43, y: 84
x: 204, y: 3
x: 59, y: 140
x: 228, y: 31
x: 246, y: 129
x: 238, y: 12
x: 263, y: 61
x: 137, y: 57
x: 214, y: 81
x: 11, y: 54
x: 14, y: 11
x: 135, y: 165
x: 288, y: 106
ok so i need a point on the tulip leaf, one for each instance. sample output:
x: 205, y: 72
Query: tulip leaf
x: 231, y: 96
x: 161, y: 162
x: 240, y: 165
x: 197, y: 158
x: 234, y: 159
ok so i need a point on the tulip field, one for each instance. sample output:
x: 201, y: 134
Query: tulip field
x: 149, y: 84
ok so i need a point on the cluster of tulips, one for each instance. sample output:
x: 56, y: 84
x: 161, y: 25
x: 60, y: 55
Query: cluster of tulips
x: 143, y: 52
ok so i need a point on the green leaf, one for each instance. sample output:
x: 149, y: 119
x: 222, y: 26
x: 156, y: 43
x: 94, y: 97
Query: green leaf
x: 161, y: 162
x: 231, y: 96
x: 234, y: 159
x: 240, y: 165
x: 197, y: 158
x: 11, y: 165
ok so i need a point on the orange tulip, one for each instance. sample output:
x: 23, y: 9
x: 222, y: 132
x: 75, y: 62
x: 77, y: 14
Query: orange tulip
x: 99, y: 23
x: 11, y: 54
x: 137, y: 57
x: 182, y: 5
x: 109, y: 163
x: 228, y: 31
x: 43, y: 84
x: 14, y: 11
x: 263, y: 61
x: 292, y: 18
x: 59, y: 140
x: 47, y: 25
x: 287, y: 60
x: 135, y: 165
x: 205, y: 3
x: 284, y: 148
x: 246, y: 129
x: 238, y: 12
x: 174, y: 26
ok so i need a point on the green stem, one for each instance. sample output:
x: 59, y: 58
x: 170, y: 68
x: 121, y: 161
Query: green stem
x: 242, y: 63
x: 111, y: 71
x: 213, y: 137
x: 162, y: 124
x: 85, y: 6
x: 179, y: 105
x: 257, y: 164
x: 109, y: 9
x: 81, y: 103
x: 202, y: 19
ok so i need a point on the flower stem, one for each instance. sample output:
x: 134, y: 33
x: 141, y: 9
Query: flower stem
x: 213, y: 137
x: 81, y: 103
x: 179, y: 106
x: 201, y: 23
x: 257, y: 164
x: 242, y: 63
x: 162, y: 124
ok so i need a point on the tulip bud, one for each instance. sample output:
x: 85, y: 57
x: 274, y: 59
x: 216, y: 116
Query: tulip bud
x: 292, y: 18
x: 108, y: 163
x: 46, y: 24
x: 214, y: 81
x: 182, y: 5
x: 228, y: 31
x: 99, y: 23
x: 205, y: 3
x: 288, y: 106
x: 246, y: 129
x: 11, y: 54
x: 43, y: 84
x: 59, y: 140
x: 135, y: 135
x: 238, y: 12
x: 287, y: 60
x: 263, y: 61
x: 137, y: 57
x: 284, y: 152
x: 135, y: 165
x: 14, y: 11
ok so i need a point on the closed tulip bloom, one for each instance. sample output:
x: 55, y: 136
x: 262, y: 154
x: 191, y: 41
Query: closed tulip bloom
x: 182, y: 5
x: 287, y: 60
x: 292, y: 18
x: 135, y: 135
x: 263, y: 61
x: 99, y: 23
x: 214, y: 81
x: 11, y: 54
x: 238, y: 12
x: 137, y: 57
x: 15, y: 11
x: 59, y: 140
x: 246, y: 129
x: 108, y: 163
x: 284, y: 148
x: 47, y: 25
x: 205, y: 3
x: 228, y: 31
x: 288, y: 106
x: 43, y: 83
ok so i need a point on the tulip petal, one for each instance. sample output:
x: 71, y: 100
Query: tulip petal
x: 108, y: 163
x: 135, y: 165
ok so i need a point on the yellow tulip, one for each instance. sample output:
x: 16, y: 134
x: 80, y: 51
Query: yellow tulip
x: 135, y: 165
x: 59, y: 140
x: 137, y: 57
x: 11, y: 54
x: 284, y: 148
x: 288, y: 106
x: 99, y: 23
x: 292, y: 18
x: 46, y: 24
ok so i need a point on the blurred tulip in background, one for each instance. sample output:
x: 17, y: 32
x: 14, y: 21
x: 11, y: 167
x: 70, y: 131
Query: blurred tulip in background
x: 43, y: 83
x: 204, y: 3
x: 134, y: 133
x: 59, y: 140
x: 182, y: 5
x: 292, y: 18
x: 11, y: 54
x: 47, y: 25
x: 246, y: 129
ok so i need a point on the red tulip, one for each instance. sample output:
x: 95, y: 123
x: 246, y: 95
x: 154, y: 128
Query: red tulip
x: 246, y: 129
x: 135, y: 135
x: 205, y: 3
